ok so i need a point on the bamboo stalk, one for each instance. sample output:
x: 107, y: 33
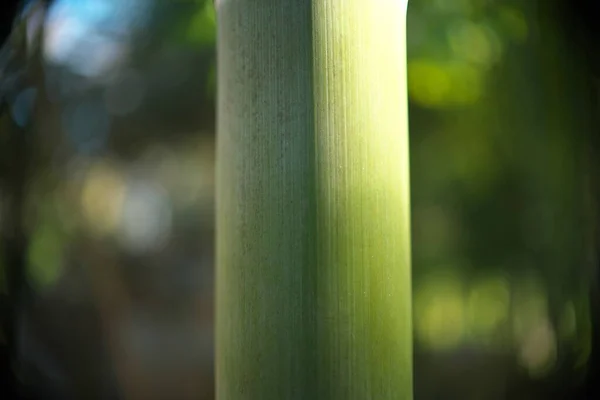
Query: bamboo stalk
x: 313, y: 224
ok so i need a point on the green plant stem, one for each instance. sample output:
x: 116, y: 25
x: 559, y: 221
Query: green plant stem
x: 313, y: 222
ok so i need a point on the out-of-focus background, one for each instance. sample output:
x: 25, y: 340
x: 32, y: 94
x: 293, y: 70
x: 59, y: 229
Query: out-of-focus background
x: 106, y: 200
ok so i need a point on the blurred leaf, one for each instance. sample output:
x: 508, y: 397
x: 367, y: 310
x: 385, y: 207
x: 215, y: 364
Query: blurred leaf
x: 45, y: 255
x: 202, y: 28
x: 434, y: 84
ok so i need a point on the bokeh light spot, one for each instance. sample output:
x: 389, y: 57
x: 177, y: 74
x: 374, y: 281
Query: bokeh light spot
x: 538, y: 350
x: 434, y: 84
x: 488, y: 306
x: 102, y: 198
x: 440, y: 311
x: 22, y: 107
x: 146, y: 219
x: 474, y: 43
x: 45, y: 258
x: 428, y: 83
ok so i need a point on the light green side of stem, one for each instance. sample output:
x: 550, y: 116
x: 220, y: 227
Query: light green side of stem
x: 313, y: 226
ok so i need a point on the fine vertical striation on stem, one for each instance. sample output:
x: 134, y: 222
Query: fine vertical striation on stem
x: 313, y: 224
x: 362, y: 189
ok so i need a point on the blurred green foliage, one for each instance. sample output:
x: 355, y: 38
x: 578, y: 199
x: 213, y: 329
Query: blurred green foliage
x: 501, y: 227
x: 454, y: 47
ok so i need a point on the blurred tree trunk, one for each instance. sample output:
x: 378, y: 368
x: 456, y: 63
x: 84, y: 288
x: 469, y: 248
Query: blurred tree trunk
x: 313, y: 225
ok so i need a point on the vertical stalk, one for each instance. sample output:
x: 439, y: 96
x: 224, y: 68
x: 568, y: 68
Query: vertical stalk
x: 313, y: 224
